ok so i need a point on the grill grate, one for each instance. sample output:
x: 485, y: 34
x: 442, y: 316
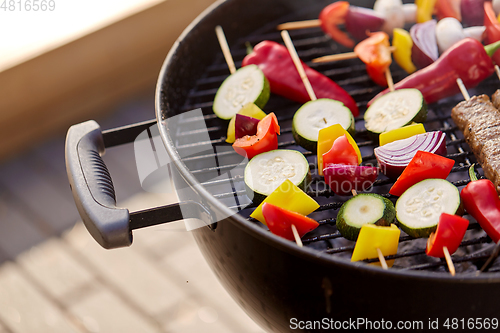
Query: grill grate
x: 351, y: 75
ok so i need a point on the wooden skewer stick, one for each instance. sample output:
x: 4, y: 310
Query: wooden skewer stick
x: 497, y: 70
x: 298, y: 64
x: 381, y: 258
x: 225, y: 48
x: 464, y: 91
x: 354, y: 193
x: 447, y: 256
x: 341, y: 56
x: 388, y: 77
x: 296, y: 235
x: 299, y: 25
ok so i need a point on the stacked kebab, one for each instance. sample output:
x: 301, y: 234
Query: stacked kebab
x: 479, y: 119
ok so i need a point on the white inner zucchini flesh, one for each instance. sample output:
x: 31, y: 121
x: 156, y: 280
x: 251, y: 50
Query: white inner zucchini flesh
x: 363, y: 210
x: 393, y: 110
x: 422, y: 204
x: 316, y: 115
x: 240, y: 88
x: 265, y: 172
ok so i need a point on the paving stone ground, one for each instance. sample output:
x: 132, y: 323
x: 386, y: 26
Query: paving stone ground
x: 55, y: 278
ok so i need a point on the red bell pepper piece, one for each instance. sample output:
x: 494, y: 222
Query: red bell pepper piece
x: 450, y: 232
x: 448, y: 8
x: 492, y: 28
x: 480, y: 200
x: 277, y: 64
x: 280, y: 220
x: 424, y: 165
x: 375, y: 53
x: 468, y: 59
x: 342, y: 152
x: 266, y: 138
x: 333, y: 15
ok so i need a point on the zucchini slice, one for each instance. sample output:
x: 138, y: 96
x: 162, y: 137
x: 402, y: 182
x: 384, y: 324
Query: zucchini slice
x: 364, y: 208
x: 418, y: 209
x: 394, y: 110
x: 247, y: 84
x: 266, y: 171
x: 316, y: 115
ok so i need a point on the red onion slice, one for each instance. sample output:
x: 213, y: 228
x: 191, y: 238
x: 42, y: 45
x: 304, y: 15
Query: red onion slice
x: 360, y: 20
x: 424, y: 51
x: 395, y: 156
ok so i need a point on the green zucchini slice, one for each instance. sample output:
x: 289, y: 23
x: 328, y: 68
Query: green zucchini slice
x: 364, y: 208
x: 266, y: 171
x: 316, y: 115
x: 247, y: 84
x: 394, y: 110
x: 418, y: 209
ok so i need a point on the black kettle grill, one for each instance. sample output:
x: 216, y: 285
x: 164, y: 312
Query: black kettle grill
x: 276, y: 282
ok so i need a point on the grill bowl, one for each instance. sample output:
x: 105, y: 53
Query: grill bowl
x: 271, y: 278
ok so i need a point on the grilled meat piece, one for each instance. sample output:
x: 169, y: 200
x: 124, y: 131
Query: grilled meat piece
x: 490, y: 161
x: 477, y: 140
x: 476, y: 109
x: 495, y: 98
x: 479, y: 120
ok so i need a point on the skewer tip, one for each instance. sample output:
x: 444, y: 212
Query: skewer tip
x: 225, y: 49
x: 449, y: 261
x: 381, y: 258
x: 463, y: 89
x: 298, y: 64
x: 388, y: 77
x: 296, y: 236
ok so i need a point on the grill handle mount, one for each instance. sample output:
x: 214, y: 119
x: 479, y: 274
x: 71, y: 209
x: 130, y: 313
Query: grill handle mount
x: 94, y: 193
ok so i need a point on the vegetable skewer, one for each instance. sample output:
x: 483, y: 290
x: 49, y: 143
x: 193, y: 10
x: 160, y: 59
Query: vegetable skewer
x: 447, y: 238
x: 243, y: 86
x: 316, y: 114
x: 438, y: 80
x: 357, y: 20
x: 373, y: 236
x: 276, y: 63
x: 375, y: 52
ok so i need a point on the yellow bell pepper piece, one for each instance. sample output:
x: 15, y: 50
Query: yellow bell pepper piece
x: 287, y: 196
x: 424, y: 10
x: 401, y: 133
x: 326, y: 138
x: 372, y: 237
x: 250, y: 110
x: 403, y: 43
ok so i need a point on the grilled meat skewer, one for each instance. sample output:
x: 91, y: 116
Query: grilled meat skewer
x: 479, y: 120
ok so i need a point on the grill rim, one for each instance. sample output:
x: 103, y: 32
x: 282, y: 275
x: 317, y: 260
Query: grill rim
x: 169, y: 67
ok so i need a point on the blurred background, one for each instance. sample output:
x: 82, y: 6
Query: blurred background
x: 62, y: 64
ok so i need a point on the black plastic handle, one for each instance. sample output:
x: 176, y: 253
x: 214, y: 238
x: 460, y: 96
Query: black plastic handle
x: 94, y: 193
x: 92, y: 188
